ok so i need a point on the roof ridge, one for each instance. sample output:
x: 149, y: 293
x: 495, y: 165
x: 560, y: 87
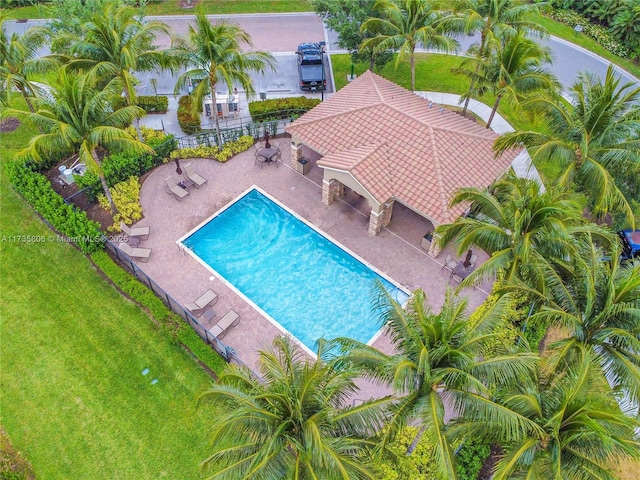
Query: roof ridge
x: 439, y: 177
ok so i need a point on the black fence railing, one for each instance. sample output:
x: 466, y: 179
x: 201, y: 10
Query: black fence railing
x: 256, y: 130
x: 226, y: 352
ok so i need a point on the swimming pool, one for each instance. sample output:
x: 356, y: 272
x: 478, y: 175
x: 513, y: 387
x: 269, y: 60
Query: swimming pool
x: 299, y: 278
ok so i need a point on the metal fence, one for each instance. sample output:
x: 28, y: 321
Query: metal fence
x: 226, y: 352
x: 229, y: 134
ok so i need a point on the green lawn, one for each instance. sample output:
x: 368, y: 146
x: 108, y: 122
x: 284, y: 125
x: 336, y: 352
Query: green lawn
x: 74, y: 401
x: 433, y: 73
x: 212, y: 7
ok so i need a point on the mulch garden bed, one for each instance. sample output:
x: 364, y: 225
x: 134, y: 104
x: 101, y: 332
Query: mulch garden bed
x: 94, y: 210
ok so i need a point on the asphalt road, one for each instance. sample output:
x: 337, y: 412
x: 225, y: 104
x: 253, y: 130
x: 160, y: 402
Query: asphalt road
x: 281, y: 33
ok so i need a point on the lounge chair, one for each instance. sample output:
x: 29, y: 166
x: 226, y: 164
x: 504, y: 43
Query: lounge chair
x: 135, y: 231
x: 196, y: 178
x: 172, y: 188
x: 207, y: 298
x: 473, y: 260
x: 134, y: 252
x: 230, y: 319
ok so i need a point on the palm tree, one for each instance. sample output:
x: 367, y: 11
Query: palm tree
x: 81, y: 118
x: 293, y: 422
x: 515, y: 71
x: 580, y: 430
x: 598, y: 306
x: 588, y: 138
x: 404, y: 26
x: 213, y: 52
x: 19, y: 62
x: 117, y: 43
x: 440, y: 358
x: 497, y: 21
x: 525, y: 232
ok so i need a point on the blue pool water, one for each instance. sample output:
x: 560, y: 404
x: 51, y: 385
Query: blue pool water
x: 302, y: 280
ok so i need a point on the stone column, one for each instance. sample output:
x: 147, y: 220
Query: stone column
x: 434, y: 250
x: 296, y: 152
x: 380, y: 219
x: 331, y: 189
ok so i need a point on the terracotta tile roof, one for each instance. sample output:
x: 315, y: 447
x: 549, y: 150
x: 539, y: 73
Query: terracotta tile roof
x: 398, y: 146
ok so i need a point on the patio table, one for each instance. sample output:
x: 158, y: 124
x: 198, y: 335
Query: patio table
x: 461, y: 271
x: 186, y: 183
x: 268, y: 153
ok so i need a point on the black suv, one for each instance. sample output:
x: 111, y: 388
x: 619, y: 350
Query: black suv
x: 311, y: 67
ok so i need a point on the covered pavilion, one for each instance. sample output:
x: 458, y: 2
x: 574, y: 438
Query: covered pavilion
x: 389, y: 145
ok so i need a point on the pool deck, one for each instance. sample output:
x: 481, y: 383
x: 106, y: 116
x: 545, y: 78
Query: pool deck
x: 395, y: 252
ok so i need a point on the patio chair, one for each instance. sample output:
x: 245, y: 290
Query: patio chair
x: 190, y: 173
x: 473, y: 260
x: 199, y: 305
x: 259, y: 159
x: 141, y: 232
x: 172, y: 188
x: 278, y: 156
x: 230, y: 319
x: 134, y: 252
x: 449, y: 262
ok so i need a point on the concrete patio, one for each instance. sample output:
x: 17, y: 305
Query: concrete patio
x: 396, y: 251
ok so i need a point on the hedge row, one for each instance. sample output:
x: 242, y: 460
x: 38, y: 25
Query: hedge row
x: 172, y: 323
x: 153, y: 104
x: 281, y: 108
x: 37, y: 190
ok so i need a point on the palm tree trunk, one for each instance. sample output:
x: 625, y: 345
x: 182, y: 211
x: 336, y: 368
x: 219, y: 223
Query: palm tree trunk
x: 27, y: 99
x: 136, y: 121
x: 103, y: 181
x: 466, y: 102
x: 214, y: 109
x: 107, y: 193
x: 413, y: 71
x: 493, y: 111
x: 416, y: 440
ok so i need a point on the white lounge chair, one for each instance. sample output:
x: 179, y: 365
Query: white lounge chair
x: 142, y: 232
x: 172, y: 188
x: 192, y: 175
x: 230, y: 319
x: 207, y: 298
x: 134, y: 252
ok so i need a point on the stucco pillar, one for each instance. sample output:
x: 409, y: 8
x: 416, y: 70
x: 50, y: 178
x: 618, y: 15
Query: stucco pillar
x: 296, y: 153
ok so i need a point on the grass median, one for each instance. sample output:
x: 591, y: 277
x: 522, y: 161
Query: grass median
x: 74, y: 399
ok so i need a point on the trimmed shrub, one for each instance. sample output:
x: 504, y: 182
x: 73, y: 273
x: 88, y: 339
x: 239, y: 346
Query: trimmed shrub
x: 172, y: 323
x: 153, y: 104
x: 597, y: 32
x: 221, y: 155
x: 121, y: 166
x: 37, y: 190
x: 470, y: 458
x: 188, y: 121
x: 281, y: 108
x: 126, y: 197
x: 418, y: 466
